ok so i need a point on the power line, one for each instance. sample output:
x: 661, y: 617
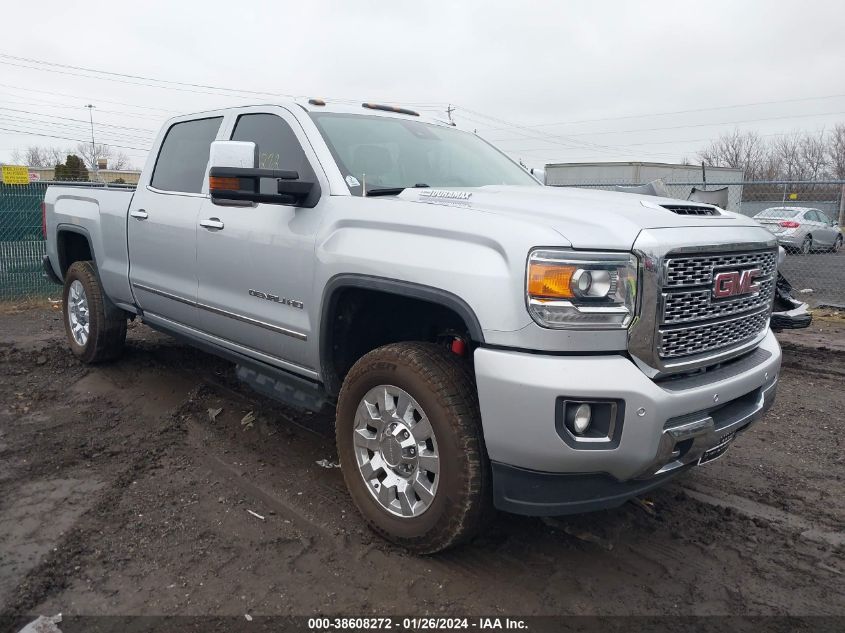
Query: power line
x: 62, y: 128
x: 681, y: 127
x: 67, y: 138
x: 572, y: 144
x: 170, y: 84
x: 55, y: 116
x: 64, y: 94
x: 695, y: 110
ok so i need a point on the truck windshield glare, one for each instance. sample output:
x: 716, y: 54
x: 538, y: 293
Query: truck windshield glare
x: 389, y: 152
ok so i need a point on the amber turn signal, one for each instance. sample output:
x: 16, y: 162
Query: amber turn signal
x: 550, y: 281
x: 224, y: 184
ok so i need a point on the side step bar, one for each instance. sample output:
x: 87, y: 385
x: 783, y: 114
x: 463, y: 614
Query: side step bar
x: 273, y: 382
x: 284, y: 387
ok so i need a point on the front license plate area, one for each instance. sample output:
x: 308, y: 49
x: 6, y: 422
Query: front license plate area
x: 720, y: 449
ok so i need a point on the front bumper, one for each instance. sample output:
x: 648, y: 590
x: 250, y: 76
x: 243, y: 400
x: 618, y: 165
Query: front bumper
x: 666, y: 426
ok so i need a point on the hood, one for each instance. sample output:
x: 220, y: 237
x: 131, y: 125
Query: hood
x: 587, y: 218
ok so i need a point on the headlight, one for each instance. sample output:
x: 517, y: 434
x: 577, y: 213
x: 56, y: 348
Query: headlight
x: 573, y: 289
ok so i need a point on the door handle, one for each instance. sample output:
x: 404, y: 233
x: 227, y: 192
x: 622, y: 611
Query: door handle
x: 211, y: 223
x: 140, y: 214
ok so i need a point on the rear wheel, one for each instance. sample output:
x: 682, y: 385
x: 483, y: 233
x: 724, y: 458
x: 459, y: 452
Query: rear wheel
x: 807, y: 245
x: 410, y: 445
x: 96, y: 330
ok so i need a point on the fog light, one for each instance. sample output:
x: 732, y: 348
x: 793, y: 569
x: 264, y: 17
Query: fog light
x: 581, y: 421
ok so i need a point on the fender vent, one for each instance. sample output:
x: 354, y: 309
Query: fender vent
x: 687, y: 209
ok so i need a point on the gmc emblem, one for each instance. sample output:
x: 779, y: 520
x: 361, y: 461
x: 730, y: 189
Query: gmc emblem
x: 733, y: 284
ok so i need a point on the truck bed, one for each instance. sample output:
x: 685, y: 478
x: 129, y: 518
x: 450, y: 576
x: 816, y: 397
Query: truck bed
x: 100, y: 214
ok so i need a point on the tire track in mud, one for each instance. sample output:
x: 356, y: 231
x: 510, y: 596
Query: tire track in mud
x: 691, y: 551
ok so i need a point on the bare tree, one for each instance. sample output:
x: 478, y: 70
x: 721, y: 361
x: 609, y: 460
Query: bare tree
x: 787, y: 150
x: 742, y: 150
x: 121, y: 161
x: 836, y: 152
x: 814, y: 157
x: 44, y: 157
x: 114, y: 159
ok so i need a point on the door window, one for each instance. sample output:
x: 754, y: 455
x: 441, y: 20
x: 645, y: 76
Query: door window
x: 278, y: 147
x: 812, y: 216
x: 183, y: 157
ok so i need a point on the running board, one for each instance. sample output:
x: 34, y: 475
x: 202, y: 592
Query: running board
x: 270, y: 381
x: 284, y: 387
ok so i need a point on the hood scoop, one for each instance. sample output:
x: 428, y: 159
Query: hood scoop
x: 691, y: 209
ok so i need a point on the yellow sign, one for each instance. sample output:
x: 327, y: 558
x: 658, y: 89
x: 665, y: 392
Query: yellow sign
x: 793, y: 196
x: 15, y: 175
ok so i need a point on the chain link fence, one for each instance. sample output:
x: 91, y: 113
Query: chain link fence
x: 815, y: 262
x: 22, y: 244
x: 817, y: 275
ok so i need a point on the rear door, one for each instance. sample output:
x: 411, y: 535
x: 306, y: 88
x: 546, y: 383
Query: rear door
x: 256, y: 263
x: 162, y: 223
x: 817, y: 228
x: 827, y: 228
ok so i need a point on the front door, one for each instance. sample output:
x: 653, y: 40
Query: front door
x: 256, y: 263
x: 162, y: 223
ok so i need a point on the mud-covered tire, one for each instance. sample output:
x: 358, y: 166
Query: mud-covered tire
x: 106, y: 332
x: 443, y: 385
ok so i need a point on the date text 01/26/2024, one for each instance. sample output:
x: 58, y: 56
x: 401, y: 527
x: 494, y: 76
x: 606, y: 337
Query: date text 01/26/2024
x: 415, y: 624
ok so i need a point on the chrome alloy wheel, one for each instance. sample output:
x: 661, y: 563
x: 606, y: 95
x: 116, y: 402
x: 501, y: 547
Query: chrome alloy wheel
x: 396, y: 451
x: 77, y: 313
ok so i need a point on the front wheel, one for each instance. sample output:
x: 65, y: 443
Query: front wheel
x: 836, y: 245
x: 96, y: 330
x: 410, y: 446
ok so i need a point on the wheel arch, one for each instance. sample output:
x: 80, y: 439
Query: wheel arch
x: 73, y: 244
x: 397, y: 288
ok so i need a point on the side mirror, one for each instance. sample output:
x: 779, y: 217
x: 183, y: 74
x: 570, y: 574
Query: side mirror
x: 235, y: 180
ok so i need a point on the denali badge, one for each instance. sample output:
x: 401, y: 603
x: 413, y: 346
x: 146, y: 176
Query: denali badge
x: 293, y: 303
x: 732, y: 284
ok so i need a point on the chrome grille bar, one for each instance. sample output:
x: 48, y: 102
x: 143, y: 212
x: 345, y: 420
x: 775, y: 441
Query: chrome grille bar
x: 681, y: 326
x: 687, y: 299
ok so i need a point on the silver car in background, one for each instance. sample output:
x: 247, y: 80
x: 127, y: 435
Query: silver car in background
x: 802, y: 229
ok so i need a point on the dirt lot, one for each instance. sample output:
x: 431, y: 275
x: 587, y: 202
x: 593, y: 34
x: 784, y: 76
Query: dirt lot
x: 120, y: 495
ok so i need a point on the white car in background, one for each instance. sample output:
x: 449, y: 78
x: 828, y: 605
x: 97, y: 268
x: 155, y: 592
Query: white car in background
x: 802, y: 229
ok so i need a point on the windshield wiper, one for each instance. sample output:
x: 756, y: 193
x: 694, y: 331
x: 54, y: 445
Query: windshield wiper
x: 394, y: 191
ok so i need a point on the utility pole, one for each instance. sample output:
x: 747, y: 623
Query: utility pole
x: 93, y: 146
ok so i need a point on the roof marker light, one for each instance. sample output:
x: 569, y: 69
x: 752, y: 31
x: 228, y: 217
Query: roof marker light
x: 389, y: 108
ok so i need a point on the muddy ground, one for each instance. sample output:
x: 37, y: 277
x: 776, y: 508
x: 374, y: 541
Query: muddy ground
x: 119, y: 494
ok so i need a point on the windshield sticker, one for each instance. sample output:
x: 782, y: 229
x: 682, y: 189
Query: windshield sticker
x: 352, y: 181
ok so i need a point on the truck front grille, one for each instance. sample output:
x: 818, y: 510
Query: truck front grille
x: 692, y: 321
x: 699, y: 270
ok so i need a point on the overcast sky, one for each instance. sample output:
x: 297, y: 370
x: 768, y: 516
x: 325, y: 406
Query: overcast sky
x: 549, y: 81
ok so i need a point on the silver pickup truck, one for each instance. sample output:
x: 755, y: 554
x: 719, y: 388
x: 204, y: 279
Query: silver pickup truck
x: 486, y: 342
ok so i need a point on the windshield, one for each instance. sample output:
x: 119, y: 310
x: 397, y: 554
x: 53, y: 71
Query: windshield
x: 778, y: 213
x: 390, y: 152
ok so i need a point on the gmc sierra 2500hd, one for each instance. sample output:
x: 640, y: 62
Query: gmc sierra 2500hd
x: 486, y: 341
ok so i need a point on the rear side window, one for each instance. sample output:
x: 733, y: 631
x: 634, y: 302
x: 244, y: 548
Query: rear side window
x: 183, y: 157
x: 278, y: 147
